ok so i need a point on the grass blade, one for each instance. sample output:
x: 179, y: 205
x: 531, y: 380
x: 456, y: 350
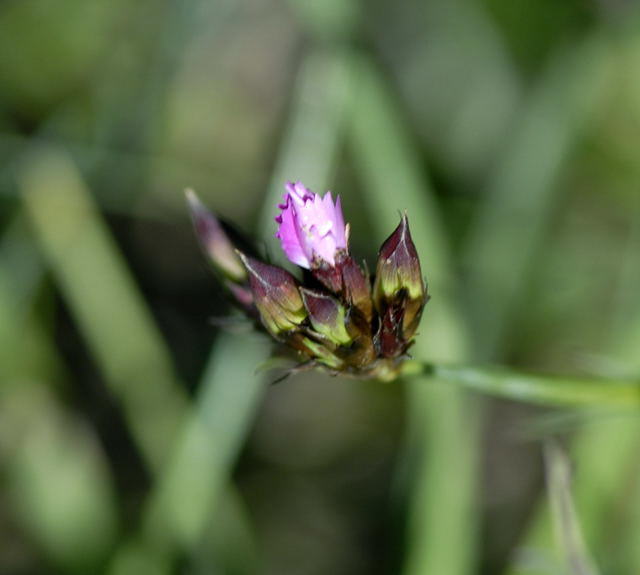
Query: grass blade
x: 567, y: 527
x: 230, y: 389
x: 523, y: 192
x: 602, y: 449
x: 554, y: 391
x: 104, y: 301
x: 442, y: 538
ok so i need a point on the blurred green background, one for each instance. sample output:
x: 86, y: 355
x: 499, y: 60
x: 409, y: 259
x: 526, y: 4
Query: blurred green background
x: 137, y: 437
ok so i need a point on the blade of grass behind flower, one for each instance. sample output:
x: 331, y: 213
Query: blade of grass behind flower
x: 519, y: 203
x: 106, y: 305
x: 230, y: 390
x: 54, y: 471
x: 56, y: 478
x: 104, y: 300
x: 605, y: 453
x: 627, y: 344
x: 565, y: 520
x: 443, y: 427
x: 189, y: 488
x: 603, y: 448
x: 26, y: 351
x: 513, y: 219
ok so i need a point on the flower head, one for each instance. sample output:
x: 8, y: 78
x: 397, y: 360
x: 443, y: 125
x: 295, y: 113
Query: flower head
x: 311, y: 227
x: 341, y: 320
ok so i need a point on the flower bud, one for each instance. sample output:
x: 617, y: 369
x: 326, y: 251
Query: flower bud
x: 399, y: 278
x: 311, y: 228
x: 214, y: 240
x: 327, y: 316
x: 398, y: 265
x: 275, y: 295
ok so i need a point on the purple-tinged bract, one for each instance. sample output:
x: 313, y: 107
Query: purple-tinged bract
x: 214, y: 240
x: 275, y: 294
x: 399, y: 290
x: 327, y: 316
x: 311, y: 227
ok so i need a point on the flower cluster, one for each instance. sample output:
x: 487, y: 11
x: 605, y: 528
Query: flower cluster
x: 339, y: 318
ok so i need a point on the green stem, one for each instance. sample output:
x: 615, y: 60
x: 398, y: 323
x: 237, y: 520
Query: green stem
x: 551, y: 390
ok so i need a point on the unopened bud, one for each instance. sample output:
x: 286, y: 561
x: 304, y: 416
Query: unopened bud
x: 275, y: 295
x: 398, y: 265
x: 327, y: 316
x: 399, y: 277
x: 214, y: 240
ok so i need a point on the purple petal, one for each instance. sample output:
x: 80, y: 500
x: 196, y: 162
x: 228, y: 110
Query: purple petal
x: 341, y: 238
x: 311, y: 227
x: 289, y: 238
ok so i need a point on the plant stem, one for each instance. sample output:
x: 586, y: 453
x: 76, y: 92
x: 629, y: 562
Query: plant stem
x: 551, y: 390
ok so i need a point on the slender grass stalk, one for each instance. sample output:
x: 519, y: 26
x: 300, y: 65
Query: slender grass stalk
x: 513, y: 219
x: 554, y: 391
x: 53, y: 467
x: 604, y: 453
x: 26, y: 353
x: 565, y: 520
x: 19, y: 337
x: 627, y: 344
x: 505, y: 238
x: 190, y: 487
x: 104, y: 300
x: 602, y: 449
x: 442, y: 425
x: 56, y: 476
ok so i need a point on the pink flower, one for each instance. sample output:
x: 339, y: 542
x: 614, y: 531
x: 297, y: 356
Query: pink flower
x: 311, y: 228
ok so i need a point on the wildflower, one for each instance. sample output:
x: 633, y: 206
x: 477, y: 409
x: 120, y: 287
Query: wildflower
x: 340, y: 320
x: 311, y: 228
